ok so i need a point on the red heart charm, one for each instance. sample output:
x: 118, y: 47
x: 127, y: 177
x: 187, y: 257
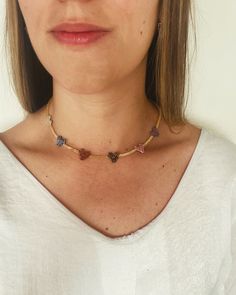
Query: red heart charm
x: 84, y: 154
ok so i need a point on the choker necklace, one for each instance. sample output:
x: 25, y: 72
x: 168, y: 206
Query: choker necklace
x: 113, y: 156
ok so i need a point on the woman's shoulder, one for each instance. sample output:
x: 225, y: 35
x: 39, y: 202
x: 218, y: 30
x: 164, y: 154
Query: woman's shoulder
x: 6, y: 160
x: 217, y: 165
x: 4, y: 151
x: 218, y: 149
x: 9, y: 162
x: 9, y: 175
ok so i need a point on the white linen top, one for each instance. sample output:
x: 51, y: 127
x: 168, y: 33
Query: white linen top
x: 188, y: 249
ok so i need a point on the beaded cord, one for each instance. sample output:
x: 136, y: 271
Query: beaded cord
x: 113, y: 156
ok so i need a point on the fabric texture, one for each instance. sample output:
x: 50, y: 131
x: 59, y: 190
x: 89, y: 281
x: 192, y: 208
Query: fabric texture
x: 189, y: 248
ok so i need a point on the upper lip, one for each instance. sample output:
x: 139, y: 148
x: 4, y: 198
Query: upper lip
x: 78, y: 27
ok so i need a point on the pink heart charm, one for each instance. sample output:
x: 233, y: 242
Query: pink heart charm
x: 140, y: 148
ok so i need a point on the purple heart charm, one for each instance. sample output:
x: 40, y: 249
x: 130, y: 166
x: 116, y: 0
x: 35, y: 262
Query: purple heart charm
x: 154, y: 131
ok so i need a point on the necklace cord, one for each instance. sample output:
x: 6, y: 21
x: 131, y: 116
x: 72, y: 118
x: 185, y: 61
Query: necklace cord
x: 61, y: 141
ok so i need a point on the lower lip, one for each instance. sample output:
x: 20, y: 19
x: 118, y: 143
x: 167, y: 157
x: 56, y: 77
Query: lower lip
x: 78, y: 38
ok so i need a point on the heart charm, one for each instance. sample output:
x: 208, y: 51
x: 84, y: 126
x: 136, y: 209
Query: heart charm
x: 113, y: 156
x: 140, y: 148
x: 84, y: 154
x: 60, y: 140
x: 154, y: 131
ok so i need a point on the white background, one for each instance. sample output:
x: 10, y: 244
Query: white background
x: 212, y: 97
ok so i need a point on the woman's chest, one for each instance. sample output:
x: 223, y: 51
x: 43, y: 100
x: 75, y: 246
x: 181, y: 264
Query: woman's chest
x: 114, y: 199
x: 113, y: 202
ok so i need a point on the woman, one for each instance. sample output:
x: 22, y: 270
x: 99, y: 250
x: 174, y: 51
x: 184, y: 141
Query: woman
x: 105, y: 186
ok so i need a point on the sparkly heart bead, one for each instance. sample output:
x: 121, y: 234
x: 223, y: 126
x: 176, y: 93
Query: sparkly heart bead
x: 154, y: 131
x: 113, y: 156
x: 60, y: 140
x: 140, y: 148
x: 84, y: 154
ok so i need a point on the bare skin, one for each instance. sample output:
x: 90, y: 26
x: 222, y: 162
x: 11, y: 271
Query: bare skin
x: 114, y: 199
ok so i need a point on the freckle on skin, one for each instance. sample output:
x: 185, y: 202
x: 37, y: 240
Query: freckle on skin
x: 107, y: 228
x: 163, y: 166
x: 141, y: 32
x: 156, y: 204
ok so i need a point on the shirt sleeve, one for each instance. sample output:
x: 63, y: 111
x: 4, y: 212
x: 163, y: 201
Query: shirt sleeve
x: 230, y: 286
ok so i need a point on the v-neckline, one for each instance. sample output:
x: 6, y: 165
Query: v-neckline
x: 176, y: 196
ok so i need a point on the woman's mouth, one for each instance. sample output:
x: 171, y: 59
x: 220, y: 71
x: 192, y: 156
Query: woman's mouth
x: 78, y: 38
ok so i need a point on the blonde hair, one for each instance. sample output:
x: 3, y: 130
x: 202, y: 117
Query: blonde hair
x: 167, y: 62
